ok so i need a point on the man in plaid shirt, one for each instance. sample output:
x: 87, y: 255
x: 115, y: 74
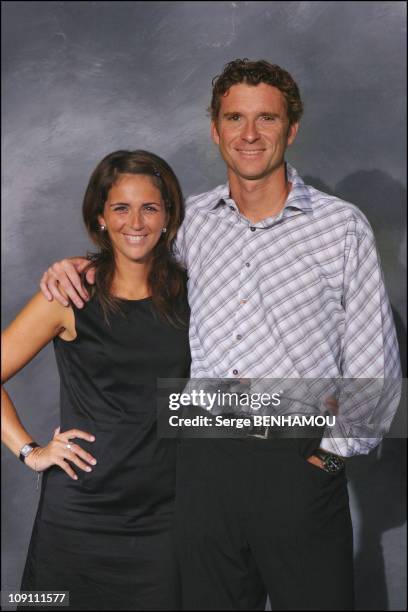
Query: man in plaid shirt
x: 284, y: 282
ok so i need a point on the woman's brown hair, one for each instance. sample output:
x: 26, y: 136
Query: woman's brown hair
x: 166, y: 278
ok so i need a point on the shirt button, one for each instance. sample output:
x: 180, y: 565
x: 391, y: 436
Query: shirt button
x: 243, y: 301
x: 252, y: 229
x: 235, y: 372
x: 239, y: 337
x: 247, y: 264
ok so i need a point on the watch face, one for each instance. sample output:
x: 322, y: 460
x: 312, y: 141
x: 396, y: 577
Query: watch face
x: 332, y: 464
x: 26, y: 450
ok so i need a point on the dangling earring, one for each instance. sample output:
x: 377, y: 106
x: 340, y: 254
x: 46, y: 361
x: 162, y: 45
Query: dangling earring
x: 164, y: 230
x: 103, y: 228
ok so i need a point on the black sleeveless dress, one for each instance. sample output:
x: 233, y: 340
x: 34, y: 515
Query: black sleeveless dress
x: 107, y: 538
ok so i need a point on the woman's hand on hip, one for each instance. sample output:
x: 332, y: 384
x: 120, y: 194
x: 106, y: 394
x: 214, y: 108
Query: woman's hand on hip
x: 62, y: 451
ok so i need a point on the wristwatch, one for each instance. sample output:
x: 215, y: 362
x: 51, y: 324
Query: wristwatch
x: 26, y: 450
x: 331, y: 463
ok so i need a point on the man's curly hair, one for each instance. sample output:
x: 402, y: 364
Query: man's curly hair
x: 253, y: 73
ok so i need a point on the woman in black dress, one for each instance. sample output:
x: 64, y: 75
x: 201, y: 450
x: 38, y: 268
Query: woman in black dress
x: 103, y: 532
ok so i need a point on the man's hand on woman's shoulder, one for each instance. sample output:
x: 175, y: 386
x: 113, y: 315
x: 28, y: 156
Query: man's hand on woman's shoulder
x: 66, y: 274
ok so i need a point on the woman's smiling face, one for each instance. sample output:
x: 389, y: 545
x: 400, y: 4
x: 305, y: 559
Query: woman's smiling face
x: 134, y: 216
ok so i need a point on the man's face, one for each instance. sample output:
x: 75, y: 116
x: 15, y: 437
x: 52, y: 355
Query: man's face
x: 252, y: 130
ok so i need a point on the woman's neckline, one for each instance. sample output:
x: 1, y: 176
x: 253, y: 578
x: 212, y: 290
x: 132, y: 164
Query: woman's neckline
x: 146, y: 299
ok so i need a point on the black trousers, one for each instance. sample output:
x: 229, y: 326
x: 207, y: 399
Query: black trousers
x: 253, y: 517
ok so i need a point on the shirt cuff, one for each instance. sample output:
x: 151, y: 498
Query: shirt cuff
x: 348, y: 447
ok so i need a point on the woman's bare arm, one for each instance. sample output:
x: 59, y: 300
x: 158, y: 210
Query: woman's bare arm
x: 34, y: 327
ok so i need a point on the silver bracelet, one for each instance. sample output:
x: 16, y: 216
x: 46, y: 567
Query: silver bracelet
x: 38, y: 475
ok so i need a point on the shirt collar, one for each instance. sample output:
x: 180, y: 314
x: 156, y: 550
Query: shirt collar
x: 299, y: 196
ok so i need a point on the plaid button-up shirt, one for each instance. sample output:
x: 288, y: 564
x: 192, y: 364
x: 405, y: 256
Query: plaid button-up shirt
x: 298, y: 295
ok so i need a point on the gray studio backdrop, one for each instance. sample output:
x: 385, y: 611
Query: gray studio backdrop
x: 82, y: 79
